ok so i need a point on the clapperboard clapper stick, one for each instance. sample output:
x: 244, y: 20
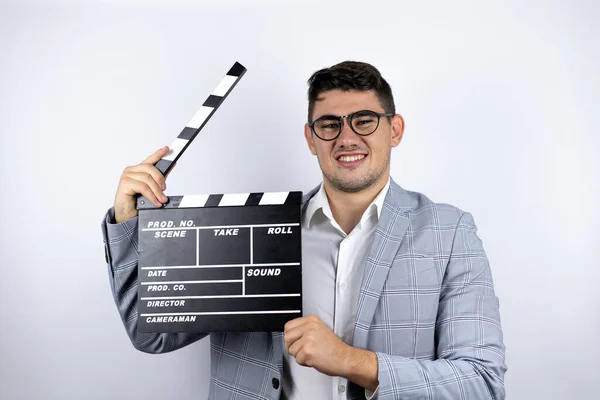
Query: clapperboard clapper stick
x: 190, y: 131
x: 218, y: 262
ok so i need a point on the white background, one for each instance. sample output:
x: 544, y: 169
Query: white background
x: 501, y: 107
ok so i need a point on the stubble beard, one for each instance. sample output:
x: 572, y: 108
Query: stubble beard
x: 358, y: 184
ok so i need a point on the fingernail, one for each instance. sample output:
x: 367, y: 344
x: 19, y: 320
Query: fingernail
x: 164, y: 198
x: 163, y: 186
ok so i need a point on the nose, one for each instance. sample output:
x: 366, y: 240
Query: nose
x: 347, y: 135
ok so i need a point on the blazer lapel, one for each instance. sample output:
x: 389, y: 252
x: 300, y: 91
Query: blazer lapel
x: 388, y: 237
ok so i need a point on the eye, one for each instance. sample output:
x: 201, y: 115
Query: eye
x: 364, y: 120
x: 327, y: 124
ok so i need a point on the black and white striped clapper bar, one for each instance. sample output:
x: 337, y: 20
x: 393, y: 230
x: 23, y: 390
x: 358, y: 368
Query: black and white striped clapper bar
x: 218, y: 263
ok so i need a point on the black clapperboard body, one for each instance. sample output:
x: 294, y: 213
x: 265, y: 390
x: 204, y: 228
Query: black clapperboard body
x: 218, y: 263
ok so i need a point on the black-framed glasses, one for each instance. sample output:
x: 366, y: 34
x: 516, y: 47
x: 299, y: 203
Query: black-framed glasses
x: 363, y: 123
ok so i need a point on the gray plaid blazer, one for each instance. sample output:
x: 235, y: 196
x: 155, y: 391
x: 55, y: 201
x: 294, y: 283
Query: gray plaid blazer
x: 426, y: 307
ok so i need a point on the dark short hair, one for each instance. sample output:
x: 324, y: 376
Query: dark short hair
x: 346, y: 76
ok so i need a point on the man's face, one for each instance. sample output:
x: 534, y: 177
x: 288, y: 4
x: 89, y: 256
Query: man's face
x: 352, y: 163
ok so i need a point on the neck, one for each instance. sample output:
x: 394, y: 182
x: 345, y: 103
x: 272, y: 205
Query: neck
x: 348, y: 208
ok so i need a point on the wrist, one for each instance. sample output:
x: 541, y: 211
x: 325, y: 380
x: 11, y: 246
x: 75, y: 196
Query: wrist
x: 123, y: 212
x: 348, y: 362
x: 361, y: 367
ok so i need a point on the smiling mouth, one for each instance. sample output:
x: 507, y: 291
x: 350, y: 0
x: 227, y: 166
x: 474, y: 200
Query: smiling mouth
x: 351, y: 158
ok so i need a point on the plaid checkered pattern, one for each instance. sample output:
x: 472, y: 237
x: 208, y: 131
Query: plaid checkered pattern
x: 426, y: 306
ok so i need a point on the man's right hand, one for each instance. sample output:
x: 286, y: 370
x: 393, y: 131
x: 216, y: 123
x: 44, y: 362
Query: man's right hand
x: 144, y: 179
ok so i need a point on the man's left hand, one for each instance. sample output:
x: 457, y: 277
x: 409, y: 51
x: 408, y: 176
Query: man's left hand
x: 313, y: 344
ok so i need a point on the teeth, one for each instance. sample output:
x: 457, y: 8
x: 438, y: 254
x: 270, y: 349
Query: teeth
x: 351, y: 158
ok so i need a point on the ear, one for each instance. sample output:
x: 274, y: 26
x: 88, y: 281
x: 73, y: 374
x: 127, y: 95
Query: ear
x: 397, y: 130
x: 310, y: 139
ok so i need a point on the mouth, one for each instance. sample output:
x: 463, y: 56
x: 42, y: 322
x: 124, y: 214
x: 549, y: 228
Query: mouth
x: 351, y: 160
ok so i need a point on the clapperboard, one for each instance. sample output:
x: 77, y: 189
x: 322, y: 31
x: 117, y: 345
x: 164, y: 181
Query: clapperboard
x: 219, y: 262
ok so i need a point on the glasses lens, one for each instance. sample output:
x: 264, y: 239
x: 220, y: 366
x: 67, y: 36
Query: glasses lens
x: 365, y: 122
x: 327, y: 128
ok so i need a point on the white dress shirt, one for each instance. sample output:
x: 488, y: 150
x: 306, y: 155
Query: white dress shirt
x: 332, y: 269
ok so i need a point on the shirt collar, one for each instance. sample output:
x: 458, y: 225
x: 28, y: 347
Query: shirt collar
x: 320, y: 202
x: 379, y: 200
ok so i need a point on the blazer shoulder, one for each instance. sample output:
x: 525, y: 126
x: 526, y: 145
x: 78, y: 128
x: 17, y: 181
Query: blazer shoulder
x: 424, y: 212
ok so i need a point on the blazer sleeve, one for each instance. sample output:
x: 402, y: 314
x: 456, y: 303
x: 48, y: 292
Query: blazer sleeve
x: 470, y: 362
x: 121, y: 254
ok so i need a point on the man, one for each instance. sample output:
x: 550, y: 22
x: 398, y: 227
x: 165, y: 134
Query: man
x: 397, y: 290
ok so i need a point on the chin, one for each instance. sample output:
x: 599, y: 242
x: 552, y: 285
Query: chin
x: 353, y: 185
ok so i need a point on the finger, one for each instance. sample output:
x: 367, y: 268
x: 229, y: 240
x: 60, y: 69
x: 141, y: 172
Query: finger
x: 134, y: 187
x: 294, y: 323
x: 312, y: 320
x: 150, y: 170
x: 301, y: 357
x: 158, y: 154
x: 296, y: 347
x: 150, y: 182
x: 292, y: 336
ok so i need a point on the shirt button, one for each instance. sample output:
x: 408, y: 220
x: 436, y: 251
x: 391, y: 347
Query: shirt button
x: 341, y: 388
x: 343, y: 286
x: 275, y: 383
